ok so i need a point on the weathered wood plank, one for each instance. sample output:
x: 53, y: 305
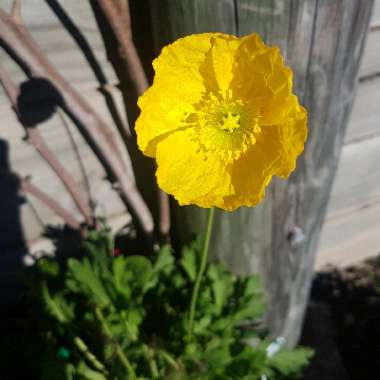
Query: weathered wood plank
x: 190, y: 16
x: 351, y: 238
x: 268, y: 18
x: 375, y: 21
x: 357, y: 182
x: 322, y: 41
x: 365, y: 120
x: 370, y: 65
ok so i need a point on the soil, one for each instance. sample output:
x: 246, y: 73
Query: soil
x: 342, y: 323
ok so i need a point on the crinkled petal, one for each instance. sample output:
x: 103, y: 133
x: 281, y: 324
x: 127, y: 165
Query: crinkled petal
x: 190, y: 174
x: 222, y: 55
x: 178, y: 85
x: 275, y: 153
x: 286, y: 141
x: 263, y: 81
x: 250, y: 175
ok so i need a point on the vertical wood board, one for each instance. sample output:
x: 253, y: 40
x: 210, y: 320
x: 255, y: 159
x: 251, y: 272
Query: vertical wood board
x: 322, y: 41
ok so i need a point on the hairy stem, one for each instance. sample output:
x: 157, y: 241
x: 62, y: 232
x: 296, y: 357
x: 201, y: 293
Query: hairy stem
x: 91, y: 358
x: 151, y: 362
x: 202, y: 268
x: 57, y: 312
x: 118, y: 350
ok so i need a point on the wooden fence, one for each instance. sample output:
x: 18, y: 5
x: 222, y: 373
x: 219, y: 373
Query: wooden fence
x: 352, y: 224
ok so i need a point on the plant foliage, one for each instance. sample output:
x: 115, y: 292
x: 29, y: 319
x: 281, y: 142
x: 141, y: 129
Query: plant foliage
x: 126, y: 317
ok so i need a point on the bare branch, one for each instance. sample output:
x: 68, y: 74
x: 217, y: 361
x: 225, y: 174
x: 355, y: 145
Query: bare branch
x: 34, y: 138
x: 118, y: 17
x: 28, y: 187
x: 164, y: 223
x: 16, y: 11
x: 82, y: 203
x: 11, y: 90
x: 117, y: 13
x: 18, y: 40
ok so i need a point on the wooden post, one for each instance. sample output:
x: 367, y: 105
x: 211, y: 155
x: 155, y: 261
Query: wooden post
x: 322, y: 41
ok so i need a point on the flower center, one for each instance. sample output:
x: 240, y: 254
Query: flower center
x: 230, y: 121
x: 223, y: 125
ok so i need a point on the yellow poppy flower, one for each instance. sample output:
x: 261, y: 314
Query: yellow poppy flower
x: 221, y: 120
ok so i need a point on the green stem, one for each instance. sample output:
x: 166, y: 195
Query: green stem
x: 78, y: 341
x: 202, y: 268
x: 118, y: 350
x: 152, y: 363
x: 169, y: 359
x: 82, y: 347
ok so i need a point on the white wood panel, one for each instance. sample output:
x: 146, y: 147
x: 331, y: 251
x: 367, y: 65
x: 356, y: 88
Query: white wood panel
x: 365, y: 118
x: 348, y: 240
x: 370, y: 64
x: 70, y: 61
x: 376, y: 13
x: 59, y: 45
x: 357, y: 183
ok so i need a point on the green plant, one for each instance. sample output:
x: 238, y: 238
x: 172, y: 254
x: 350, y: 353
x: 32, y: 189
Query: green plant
x: 127, y: 317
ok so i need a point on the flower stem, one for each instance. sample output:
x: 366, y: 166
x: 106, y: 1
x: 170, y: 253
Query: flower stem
x: 118, y: 350
x: 151, y: 362
x: 202, y: 268
x: 83, y: 348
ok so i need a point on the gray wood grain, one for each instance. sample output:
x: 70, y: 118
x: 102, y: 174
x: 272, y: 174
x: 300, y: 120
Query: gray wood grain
x: 375, y: 21
x: 365, y: 119
x: 188, y: 16
x: 351, y: 229
x: 351, y: 238
x: 370, y: 65
x: 357, y: 183
x: 322, y: 41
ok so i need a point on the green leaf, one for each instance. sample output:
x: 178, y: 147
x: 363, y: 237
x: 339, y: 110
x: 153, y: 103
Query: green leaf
x: 164, y: 262
x: 81, y: 278
x: 141, y: 269
x: 134, y: 317
x: 221, y: 283
x: 57, y: 306
x: 188, y: 263
x: 290, y: 363
x: 248, y: 362
x: 48, y: 267
x: 121, y: 277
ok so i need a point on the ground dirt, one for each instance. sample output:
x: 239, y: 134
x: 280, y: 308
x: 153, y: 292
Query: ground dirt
x: 342, y: 323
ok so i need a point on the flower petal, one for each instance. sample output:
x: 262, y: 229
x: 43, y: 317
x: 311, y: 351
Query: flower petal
x: 286, y: 141
x: 275, y: 153
x: 178, y: 77
x: 189, y: 173
x: 222, y: 53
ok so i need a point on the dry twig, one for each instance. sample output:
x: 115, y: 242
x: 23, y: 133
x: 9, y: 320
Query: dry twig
x: 118, y: 15
x: 18, y: 41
